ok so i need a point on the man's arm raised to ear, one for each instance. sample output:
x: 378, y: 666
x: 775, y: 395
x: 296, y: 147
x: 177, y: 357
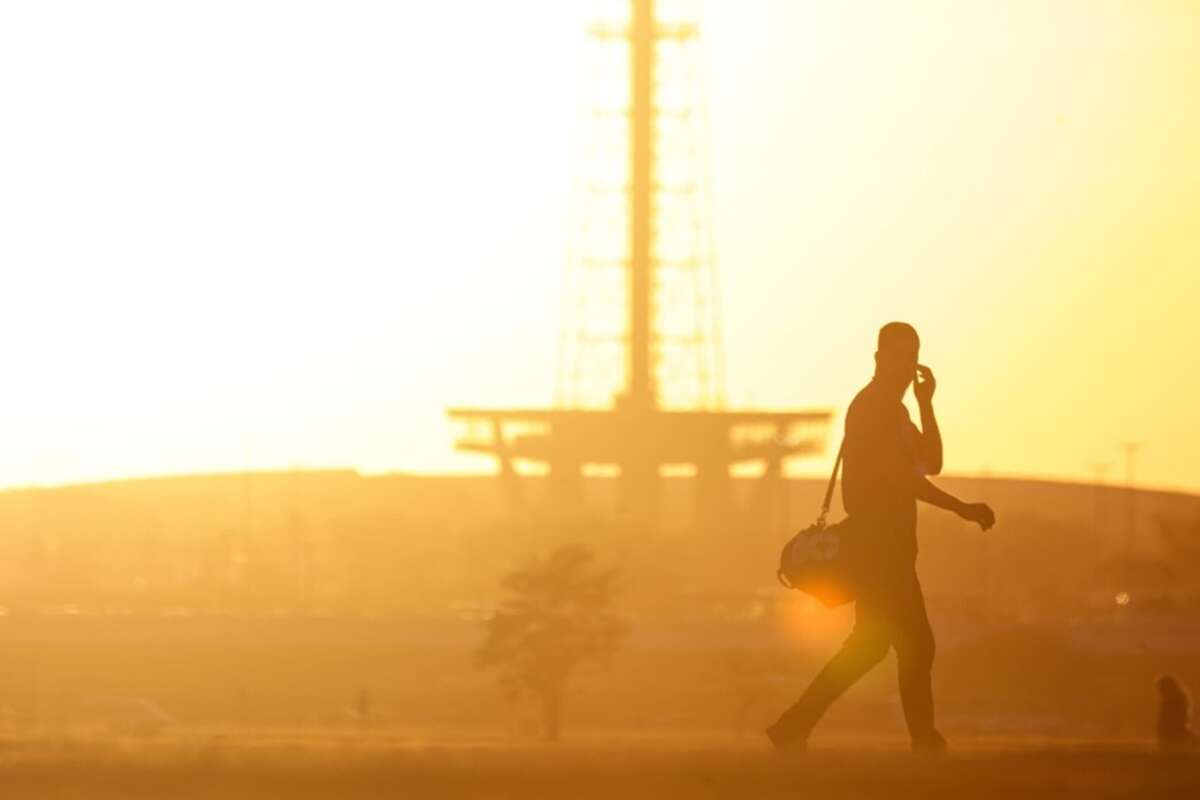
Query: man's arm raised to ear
x: 931, y: 438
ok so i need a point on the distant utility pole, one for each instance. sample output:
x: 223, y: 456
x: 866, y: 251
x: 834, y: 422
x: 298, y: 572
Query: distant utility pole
x: 1131, y: 451
x: 1101, y: 470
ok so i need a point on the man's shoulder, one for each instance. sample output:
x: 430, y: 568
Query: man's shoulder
x: 870, y: 406
x: 865, y: 402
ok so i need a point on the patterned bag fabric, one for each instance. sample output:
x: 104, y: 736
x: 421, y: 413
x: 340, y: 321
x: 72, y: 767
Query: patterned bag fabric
x: 820, y: 560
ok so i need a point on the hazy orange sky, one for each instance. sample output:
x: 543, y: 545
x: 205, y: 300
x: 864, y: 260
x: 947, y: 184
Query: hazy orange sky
x: 275, y: 234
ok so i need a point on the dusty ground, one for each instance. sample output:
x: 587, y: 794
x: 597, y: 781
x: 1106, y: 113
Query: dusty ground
x: 350, y: 767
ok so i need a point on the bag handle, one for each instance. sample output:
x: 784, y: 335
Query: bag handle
x: 837, y: 464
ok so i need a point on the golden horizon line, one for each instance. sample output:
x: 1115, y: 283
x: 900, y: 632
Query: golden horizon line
x: 984, y: 474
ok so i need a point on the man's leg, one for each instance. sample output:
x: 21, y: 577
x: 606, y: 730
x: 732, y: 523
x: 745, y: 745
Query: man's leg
x: 913, y: 640
x: 866, y: 646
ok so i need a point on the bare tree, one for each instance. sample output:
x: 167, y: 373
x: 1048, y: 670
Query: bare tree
x: 557, y: 615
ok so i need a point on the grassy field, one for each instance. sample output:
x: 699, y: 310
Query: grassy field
x: 351, y: 767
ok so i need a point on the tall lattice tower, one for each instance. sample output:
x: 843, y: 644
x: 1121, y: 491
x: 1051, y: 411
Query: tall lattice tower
x: 640, y: 311
x: 640, y: 383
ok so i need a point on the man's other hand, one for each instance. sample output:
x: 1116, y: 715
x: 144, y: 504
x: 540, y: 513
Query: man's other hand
x: 980, y: 513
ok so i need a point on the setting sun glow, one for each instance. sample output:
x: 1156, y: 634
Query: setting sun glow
x: 270, y: 234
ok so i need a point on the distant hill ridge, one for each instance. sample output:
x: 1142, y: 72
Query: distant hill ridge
x: 476, y: 498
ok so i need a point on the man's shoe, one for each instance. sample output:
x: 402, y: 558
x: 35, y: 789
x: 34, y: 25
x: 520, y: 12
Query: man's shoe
x: 933, y: 744
x: 783, y: 742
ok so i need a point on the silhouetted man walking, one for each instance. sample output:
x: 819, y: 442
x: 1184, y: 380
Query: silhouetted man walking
x: 885, y: 461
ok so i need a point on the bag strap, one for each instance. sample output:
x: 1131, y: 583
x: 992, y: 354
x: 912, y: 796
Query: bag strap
x: 837, y: 464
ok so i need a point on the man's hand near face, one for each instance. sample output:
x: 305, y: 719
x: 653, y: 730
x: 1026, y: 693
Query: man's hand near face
x: 924, y: 384
x: 931, y: 437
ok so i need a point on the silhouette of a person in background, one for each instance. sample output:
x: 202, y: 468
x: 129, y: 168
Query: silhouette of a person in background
x: 886, y: 458
x: 1174, y: 713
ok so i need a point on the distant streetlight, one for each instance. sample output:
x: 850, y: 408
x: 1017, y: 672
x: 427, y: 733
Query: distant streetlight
x: 1131, y: 450
x: 1101, y: 470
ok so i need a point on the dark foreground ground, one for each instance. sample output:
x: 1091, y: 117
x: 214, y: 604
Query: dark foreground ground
x: 349, y: 768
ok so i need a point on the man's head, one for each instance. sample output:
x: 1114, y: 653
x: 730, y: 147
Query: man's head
x: 896, y: 354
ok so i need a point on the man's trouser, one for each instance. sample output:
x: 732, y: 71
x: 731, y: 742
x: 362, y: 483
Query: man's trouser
x: 890, y: 614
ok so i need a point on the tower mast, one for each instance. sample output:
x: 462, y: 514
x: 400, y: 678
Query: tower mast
x: 641, y: 389
x: 641, y: 377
